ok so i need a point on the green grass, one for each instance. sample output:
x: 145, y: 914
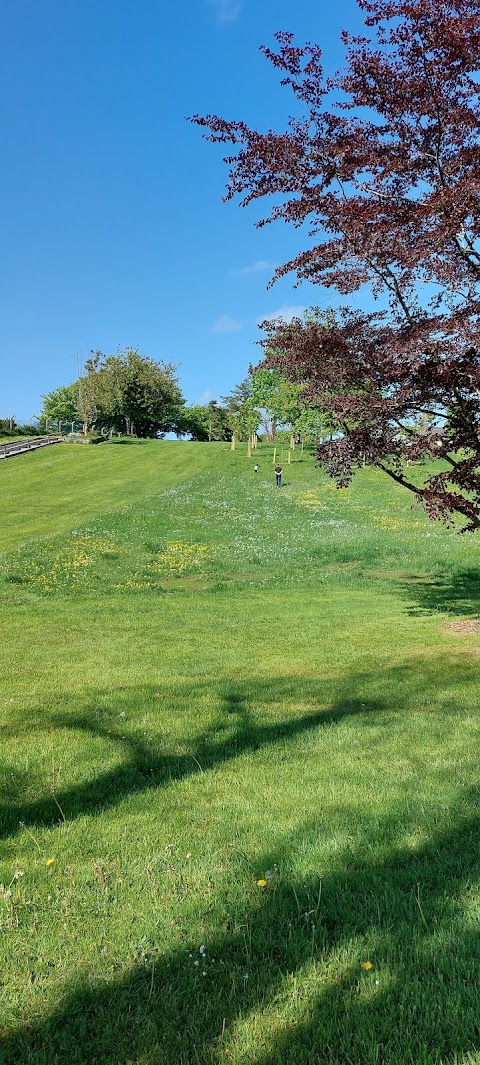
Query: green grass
x: 207, y: 682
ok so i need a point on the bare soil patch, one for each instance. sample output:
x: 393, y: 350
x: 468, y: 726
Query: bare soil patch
x: 186, y: 584
x: 465, y: 626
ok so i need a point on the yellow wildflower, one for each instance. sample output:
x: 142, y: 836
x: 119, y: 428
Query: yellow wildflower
x: 262, y: 883
x: 50, y: 861
x: 366, y: 965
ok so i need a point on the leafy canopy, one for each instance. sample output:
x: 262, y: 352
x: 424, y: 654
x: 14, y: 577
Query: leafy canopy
x: 131, y: 393
x: 382, y: 162
x: 61, y: 405
x: 208, y: 421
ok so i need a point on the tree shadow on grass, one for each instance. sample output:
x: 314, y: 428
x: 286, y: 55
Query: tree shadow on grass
x: 291, y: 962
x: 128, y: 441
x: 290, y: 955
x: 237, y: 729
x: 452, y: 593
x: 141, y: 765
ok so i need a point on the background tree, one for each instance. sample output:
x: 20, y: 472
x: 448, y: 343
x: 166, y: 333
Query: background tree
x: 245, y: 421
x: 278, y: 399
x: 218, y: 422
x: 89, y: 392
x: 193, y: 423
x: 61, y: 405
x: 209, y: 421
x: 312, y: 426
x: 243, y: 417
x: 238, y: 396
x: 131, y: 393
x: 387, y: 181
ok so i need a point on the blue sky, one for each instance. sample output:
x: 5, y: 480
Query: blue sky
x: 113, y: 229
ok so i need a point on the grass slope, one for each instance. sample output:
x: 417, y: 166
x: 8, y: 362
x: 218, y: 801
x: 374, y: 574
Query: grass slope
x: 55, y: 487
x: 238, y: 772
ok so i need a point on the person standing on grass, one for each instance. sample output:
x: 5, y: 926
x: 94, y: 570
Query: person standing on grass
x: 278, y: 474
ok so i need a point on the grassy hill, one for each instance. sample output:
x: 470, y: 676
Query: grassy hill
x: 238, y: 772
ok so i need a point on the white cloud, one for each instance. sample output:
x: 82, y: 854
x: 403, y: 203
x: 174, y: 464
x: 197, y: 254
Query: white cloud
x: 255, y: 268
x: 204, y: 398
x: 225, y: 324
x: 224, y: 10
x: 287, y: 312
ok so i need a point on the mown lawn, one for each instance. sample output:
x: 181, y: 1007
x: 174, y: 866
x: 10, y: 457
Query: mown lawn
x: 238, y: 773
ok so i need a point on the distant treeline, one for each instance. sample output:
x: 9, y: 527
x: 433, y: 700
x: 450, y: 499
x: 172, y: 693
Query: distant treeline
x: 133, y: 394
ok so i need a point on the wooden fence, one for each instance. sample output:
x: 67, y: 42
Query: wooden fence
x: 19, y: 447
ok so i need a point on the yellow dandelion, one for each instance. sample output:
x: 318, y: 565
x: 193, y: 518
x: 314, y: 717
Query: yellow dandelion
x: 366, y: 965
x: 262, y: 883
x: 50, y: 861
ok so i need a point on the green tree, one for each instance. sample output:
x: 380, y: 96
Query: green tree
x: 244, y: 417
x: 218, y: 426
x: 131, y: 393
x: 278, y: 400
x: 312, y: 425
x: 245, y: 420
x: 61, y: 405
x: 238, y: 396
x: 209, y: 421
x: 193, y: 423
x: 89, y: 389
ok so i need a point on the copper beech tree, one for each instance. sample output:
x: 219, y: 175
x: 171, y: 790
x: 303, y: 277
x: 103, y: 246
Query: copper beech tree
x: 382, y: 161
